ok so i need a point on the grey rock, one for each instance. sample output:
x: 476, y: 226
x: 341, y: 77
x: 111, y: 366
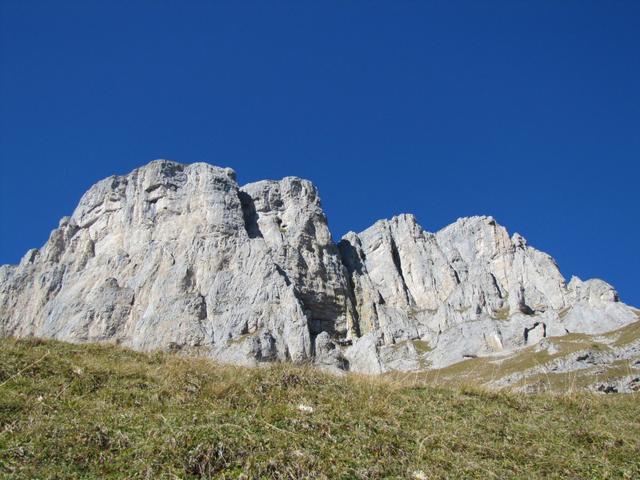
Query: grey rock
x: 468, y: 290
x: 364, y: 356
x: 181, y: 257
x: 287, y: 215
x: 626, y: 384
x: 328, y: 355
x: 165, y: 257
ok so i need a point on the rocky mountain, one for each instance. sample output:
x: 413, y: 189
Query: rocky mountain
x: 181, y: 257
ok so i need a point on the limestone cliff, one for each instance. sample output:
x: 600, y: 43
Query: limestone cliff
x: 468, y: 290
x: 181, y: 257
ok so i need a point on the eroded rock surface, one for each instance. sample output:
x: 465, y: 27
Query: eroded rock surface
x: 468, y: 290
x: 170, y: 256
x: 181, y: 257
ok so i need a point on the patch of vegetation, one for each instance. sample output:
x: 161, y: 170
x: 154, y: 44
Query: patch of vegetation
x: 564, y: 312
x: 483, y: 370
x: 415, y: 313
x: 501, y: 313
x: 579, y: 379
x: 626, y: 335
x: 421, y: 346
x: 90, y: 411
x: 462, y: 309
x: 240, y: 338
x: 487, y: 370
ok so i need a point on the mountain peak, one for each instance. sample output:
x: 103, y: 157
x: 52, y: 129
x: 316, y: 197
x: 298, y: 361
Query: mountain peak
x: 178, y: 256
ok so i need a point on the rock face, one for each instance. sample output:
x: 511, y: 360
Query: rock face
x: 180, y: 257
x: 468, y: 290
x: 175, y: 256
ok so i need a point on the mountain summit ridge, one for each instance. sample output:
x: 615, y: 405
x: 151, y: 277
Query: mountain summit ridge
x: 181, y: 257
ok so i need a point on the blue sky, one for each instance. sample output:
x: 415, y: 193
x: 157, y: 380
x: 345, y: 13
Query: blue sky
x: 525, y: 110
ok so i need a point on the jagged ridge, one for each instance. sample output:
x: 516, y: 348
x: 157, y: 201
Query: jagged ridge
x: 180, y: 256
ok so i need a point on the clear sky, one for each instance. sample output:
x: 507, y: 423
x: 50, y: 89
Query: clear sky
x: 525, y: 110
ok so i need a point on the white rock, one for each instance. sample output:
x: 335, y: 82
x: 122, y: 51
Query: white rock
x: 305, y: 408
x: 165, y: 258
x: 468, y: 290
x: 180, y: 257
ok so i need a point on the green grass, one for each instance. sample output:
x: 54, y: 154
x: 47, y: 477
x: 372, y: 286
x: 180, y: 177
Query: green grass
x: 421, y: 346
x: 70, y: 411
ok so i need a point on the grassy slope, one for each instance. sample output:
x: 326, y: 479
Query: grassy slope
x: 485, y: 370
x: 69, y: 411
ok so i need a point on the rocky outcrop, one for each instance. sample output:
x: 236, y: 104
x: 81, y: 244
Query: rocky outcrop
x: 468, y: 290
x: 287, y: 216
x: 181, y: 257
